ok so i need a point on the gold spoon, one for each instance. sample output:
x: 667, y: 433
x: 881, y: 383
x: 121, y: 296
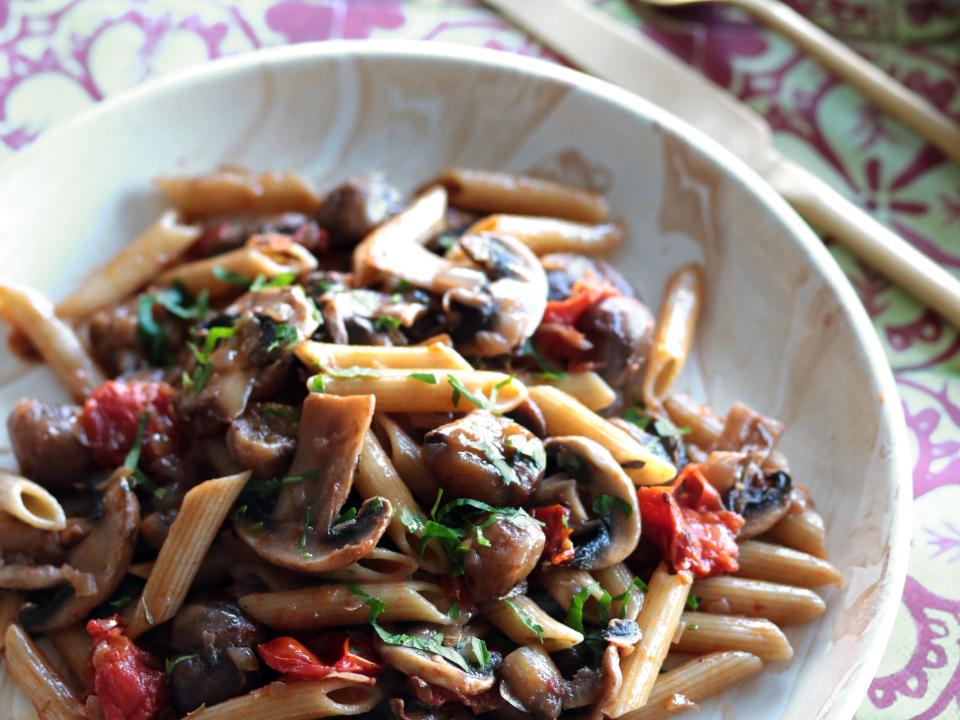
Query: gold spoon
x: 905, y: 105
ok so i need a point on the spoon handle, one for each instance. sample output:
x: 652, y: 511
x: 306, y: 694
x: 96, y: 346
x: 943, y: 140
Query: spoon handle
x: 903, y: 104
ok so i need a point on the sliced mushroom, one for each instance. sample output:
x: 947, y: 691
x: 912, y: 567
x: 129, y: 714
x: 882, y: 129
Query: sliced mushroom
x: 485, y: 457
x: 617, y: 533
x: 517, y: 288
x: 105, y: 553
x: 761, y: 498
x: 264, y: 438
x: 748, y: 430
x: 433, y: 667
x: 514, y: 545
x: 351, y: 211
x: 302, y: 532
x: 531, y: 682
x: 620, y: 329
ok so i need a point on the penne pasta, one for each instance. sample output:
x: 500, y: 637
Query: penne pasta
x: 526, y: 623
x: 296, y: 701
x: 39, y: 679
x: 406, y: 458
x: 776, y: 563
x: 696, y: 681
x: 705, y: 426
x: 704, y: 633
x: 33, y: 315
x: 617, y: 580
x: 397, y: 243
x: 336, y: 605
x: 10, y: 604
x: 203, y: 511
x: 565, y: 415
x: 781, y: 604
x: 317, y: 355
x: 495, y: 192
x: 676, y: 325
x: 803, y: 530
x: 587, y: 387
x: 264, y: 255
x: 231, y: 190
x: 74, y: 645
x: 30, y: 503
x: 658, y: 620
x: 429, y: 390
x: 546, y: 235
x: 379, y: 565
x: 132, y: 268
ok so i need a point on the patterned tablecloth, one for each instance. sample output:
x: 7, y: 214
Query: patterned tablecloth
x: 58, y: 57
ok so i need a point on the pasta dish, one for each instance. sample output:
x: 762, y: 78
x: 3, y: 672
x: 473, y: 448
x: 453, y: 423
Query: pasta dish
x: 405, y: 456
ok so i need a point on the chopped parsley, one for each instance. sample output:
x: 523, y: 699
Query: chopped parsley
x: 347, y: 516
x: 432, y: 645
x: 285, y: 337
x: 130, y: 462
x: 316, y: 384
x: 351, y: 372
x: 661, y: 427
x: 693, y: 627
x: 524, y: 617
x: 606, y: 504
x: 204, y: 369
x: 302, y: 544
x: 151, y: 336
x: 460, y: 390
x: 260, y: 282
x: 624, y: 597
x: 169, y: 664
x: 693, y: 602
x: 387, y: 323
x: 495, y: 458
x: 575, y: 614
x: 532, y: 447
x: 229, y: 276
x: 547, y: 371
x: 424, y: 377
x: 121, y: 602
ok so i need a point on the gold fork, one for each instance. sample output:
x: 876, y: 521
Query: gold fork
x: 903, y: 104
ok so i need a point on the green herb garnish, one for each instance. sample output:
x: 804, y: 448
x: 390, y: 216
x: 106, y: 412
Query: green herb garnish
x: 606, y: 504
x: 428, y: 378
x: 387, y: 323
x: 170, y: 664
x: 285, y: 337
x: 229, y: 276
x: 693, y: 602
x: 528, y: 622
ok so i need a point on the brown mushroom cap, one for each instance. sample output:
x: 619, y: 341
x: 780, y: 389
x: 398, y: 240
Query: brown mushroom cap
x: 485, y: 457
x: 599, y: 474
x: 105, y: 553
x: 330, y: 437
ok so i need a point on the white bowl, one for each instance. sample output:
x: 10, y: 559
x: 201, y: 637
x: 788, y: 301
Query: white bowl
x: 782, y: 329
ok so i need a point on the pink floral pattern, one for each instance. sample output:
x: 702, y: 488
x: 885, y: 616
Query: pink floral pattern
x: 59, y: 56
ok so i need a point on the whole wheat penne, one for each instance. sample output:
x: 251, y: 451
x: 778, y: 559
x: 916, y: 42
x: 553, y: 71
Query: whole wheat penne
x: 335, y: 605
x: 33, y: 315
x: 296, y: 701
x: 379, y: 565
x: 526, y: 623
x: 266, y: 255
x: 496, y: 192
x: 619, y: 581
x: 232, y: 190
x: 676, y: 325
x: 705, y: 426
x: 587, y: 387
x: 39, y: 679
x: 203, y: 511
x: 696, y: 681
x: 10, y: 604
x: 406, y: 458
x: 781, y: 604
x: 549, y: 235
x: 565, y: 415
x: 376, y: 476
x: 135, y: 265
x: 803, y: 530
x: 396, y: 246
x: 775, y: 563
x: 705, y: 632
x: 428, y: 390
x: 658, y: 621
x: 74, y: 645
x: 30, y: 503
x: 319, y: 355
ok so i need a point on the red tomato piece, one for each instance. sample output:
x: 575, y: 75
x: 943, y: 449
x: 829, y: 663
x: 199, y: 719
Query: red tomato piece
x: 587, y: 291
x: 559, y: 548
x: 297, y: 662
x: 126, y: 679
x: 689, y: 524
x: 112, y: 413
